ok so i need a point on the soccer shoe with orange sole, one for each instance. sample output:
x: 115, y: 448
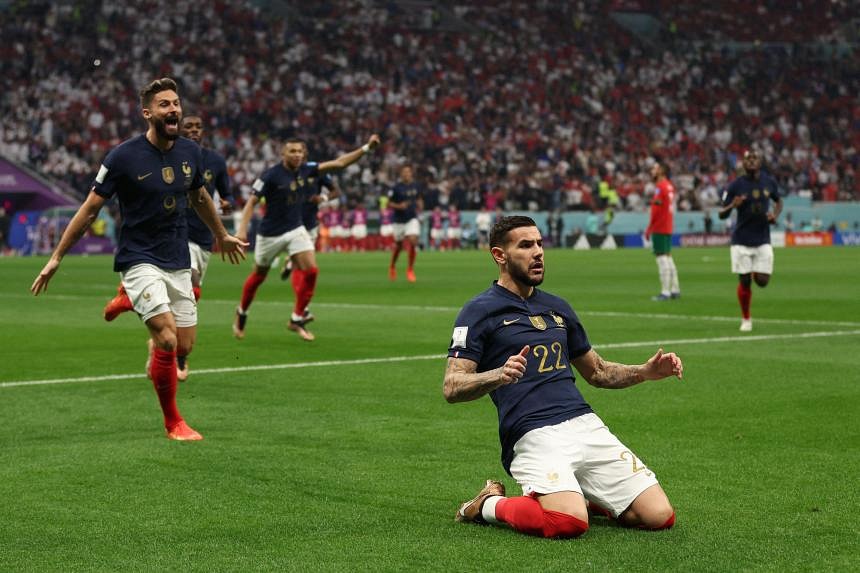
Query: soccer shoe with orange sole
x: 392, y: 274
x: 470, y: 511
x: 239, y: 324
x: 117, y: 305
x: 410, y: 275
x: 298, y: 326
x: 182, y: 432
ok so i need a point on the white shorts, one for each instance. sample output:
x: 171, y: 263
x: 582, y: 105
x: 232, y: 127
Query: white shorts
x: 747, y: 260
x: 199, y: 260
x: 155, y: 291
x: 437, y: 234
x: 581, y: 455
x: 296, y: 241
x: 412, y: 228
x: 339, y: 232
x: 455, y: 233
x: 359, y: 231
x: 386, y: 230
x: 314, y: 233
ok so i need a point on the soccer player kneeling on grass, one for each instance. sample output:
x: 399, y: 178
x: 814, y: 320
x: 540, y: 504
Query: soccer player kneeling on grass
x: 520, y: 344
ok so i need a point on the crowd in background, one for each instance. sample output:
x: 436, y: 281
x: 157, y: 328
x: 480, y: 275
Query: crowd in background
x: 526, y: 105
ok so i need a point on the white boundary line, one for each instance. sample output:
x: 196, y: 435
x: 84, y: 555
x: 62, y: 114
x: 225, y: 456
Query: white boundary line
x: 652, y: 343
x: 453, y: 309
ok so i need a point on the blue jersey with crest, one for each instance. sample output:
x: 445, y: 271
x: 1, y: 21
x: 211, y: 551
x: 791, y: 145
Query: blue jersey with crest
x: 285, y: 192
x: 496, y: 325
x: 310, y: 209
x: 215, y: 178
x: 409, y: 193
x: 751, y: 227
x: 151, y: 187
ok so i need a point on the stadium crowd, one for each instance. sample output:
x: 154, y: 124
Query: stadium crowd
x: 527, y: 105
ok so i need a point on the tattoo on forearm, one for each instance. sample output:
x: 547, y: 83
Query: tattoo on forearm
x: 615, y: 375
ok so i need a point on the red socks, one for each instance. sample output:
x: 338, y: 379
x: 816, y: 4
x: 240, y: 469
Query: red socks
x: 162, y: 370
x: 304, y: 283
x: 249, y: 290
x: 744, y: 298
x: 526, y: 515
x: 411, y: 250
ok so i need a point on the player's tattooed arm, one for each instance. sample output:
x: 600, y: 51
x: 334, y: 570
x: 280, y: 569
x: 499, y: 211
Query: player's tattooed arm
x: 604, y: 374
x: 462, y: 382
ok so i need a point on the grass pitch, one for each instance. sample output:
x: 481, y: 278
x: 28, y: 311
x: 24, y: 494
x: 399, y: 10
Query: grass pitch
x: 341, y: 454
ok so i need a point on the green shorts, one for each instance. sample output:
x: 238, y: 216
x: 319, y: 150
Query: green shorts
x: 661, y: 244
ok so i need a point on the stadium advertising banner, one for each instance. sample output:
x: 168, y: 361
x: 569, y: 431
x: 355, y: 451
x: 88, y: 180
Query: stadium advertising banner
x: 811, y: 239
x: 847, y: 238
x: 706, y: 240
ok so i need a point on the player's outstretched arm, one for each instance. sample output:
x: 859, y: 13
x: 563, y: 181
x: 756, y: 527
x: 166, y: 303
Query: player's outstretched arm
x: 229, y: 245
x: 348, y: 159
x: 462, y: 382
x: 604, y: 374
x: 86, y: 214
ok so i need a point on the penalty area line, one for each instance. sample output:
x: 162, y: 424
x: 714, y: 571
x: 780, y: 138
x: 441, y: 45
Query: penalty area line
x: 323, y: 363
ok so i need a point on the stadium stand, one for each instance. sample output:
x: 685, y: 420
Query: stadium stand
x: 525, y: 104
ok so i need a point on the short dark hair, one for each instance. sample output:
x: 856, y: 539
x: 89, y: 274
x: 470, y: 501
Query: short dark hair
x: 296, y: 140
x: 504, y: 225
x: 156, y: 86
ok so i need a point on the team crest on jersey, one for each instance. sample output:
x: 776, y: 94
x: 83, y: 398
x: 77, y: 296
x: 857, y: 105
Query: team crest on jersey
x: 186, y: 169
x: 293, y: 186
x: 538, y: 322
x: 169, y: 203
x: 756, y: 194
x: 559, y: 321
x: 167, y: 175
x: 207, y: 176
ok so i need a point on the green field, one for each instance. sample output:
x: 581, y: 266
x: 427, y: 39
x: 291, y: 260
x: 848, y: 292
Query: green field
x: 342, y: 454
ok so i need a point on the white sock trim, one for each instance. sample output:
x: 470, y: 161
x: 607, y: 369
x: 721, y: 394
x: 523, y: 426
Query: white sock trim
x: 488, y: 510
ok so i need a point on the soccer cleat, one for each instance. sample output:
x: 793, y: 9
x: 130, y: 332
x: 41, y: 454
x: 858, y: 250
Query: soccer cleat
x: 182, y: 373
x: 288, y: 268
x: 661, y: 298
x: 746, y: 325
x: 151, y: 347
x: 392, y: 274
x: 239, y: 324
x: 470, y: 511
x: 182, y: 432
x: 308, y: 317
x: 117, y: 305
x: 675, y: 295
x: 298, y: 326
x: 410, y: 275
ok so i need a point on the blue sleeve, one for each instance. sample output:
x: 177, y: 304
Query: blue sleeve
x: 577, y: 340
x: 222, y: 183
x: 728, y: 194
x: 110, y: 173
x: 469, y: 336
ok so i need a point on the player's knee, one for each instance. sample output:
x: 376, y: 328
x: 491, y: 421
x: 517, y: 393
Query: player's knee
x: 657, y: 518
x: 761, y: 280
x: 562, y: 525
x: 745, y: 280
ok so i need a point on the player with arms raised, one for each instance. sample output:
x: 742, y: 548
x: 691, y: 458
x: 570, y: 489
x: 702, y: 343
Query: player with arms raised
x: 154, y: 177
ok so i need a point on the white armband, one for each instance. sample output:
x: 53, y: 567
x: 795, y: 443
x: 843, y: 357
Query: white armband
x: 323, y: 197
x: 365, y: 148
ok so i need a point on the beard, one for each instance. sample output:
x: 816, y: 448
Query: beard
x: 522, y: 276
x: 161, y: 129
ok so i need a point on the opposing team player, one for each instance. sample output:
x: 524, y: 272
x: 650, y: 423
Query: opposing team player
x: 756, y: 197
x: 659, y: 230
x: 154, y: 177
x: 520, y: 345
x: 286, y: 187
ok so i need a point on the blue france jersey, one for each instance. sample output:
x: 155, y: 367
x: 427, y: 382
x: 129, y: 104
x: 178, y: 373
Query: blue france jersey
x: 751, y: 227
x: 215, y: 178
x: 285, y: 192
x: 151, y: 188
x: 310, y: 209
x: 496, y: 325
x: 409, y: 193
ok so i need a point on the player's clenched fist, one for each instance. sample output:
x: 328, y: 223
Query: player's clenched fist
x: 515, y: 367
